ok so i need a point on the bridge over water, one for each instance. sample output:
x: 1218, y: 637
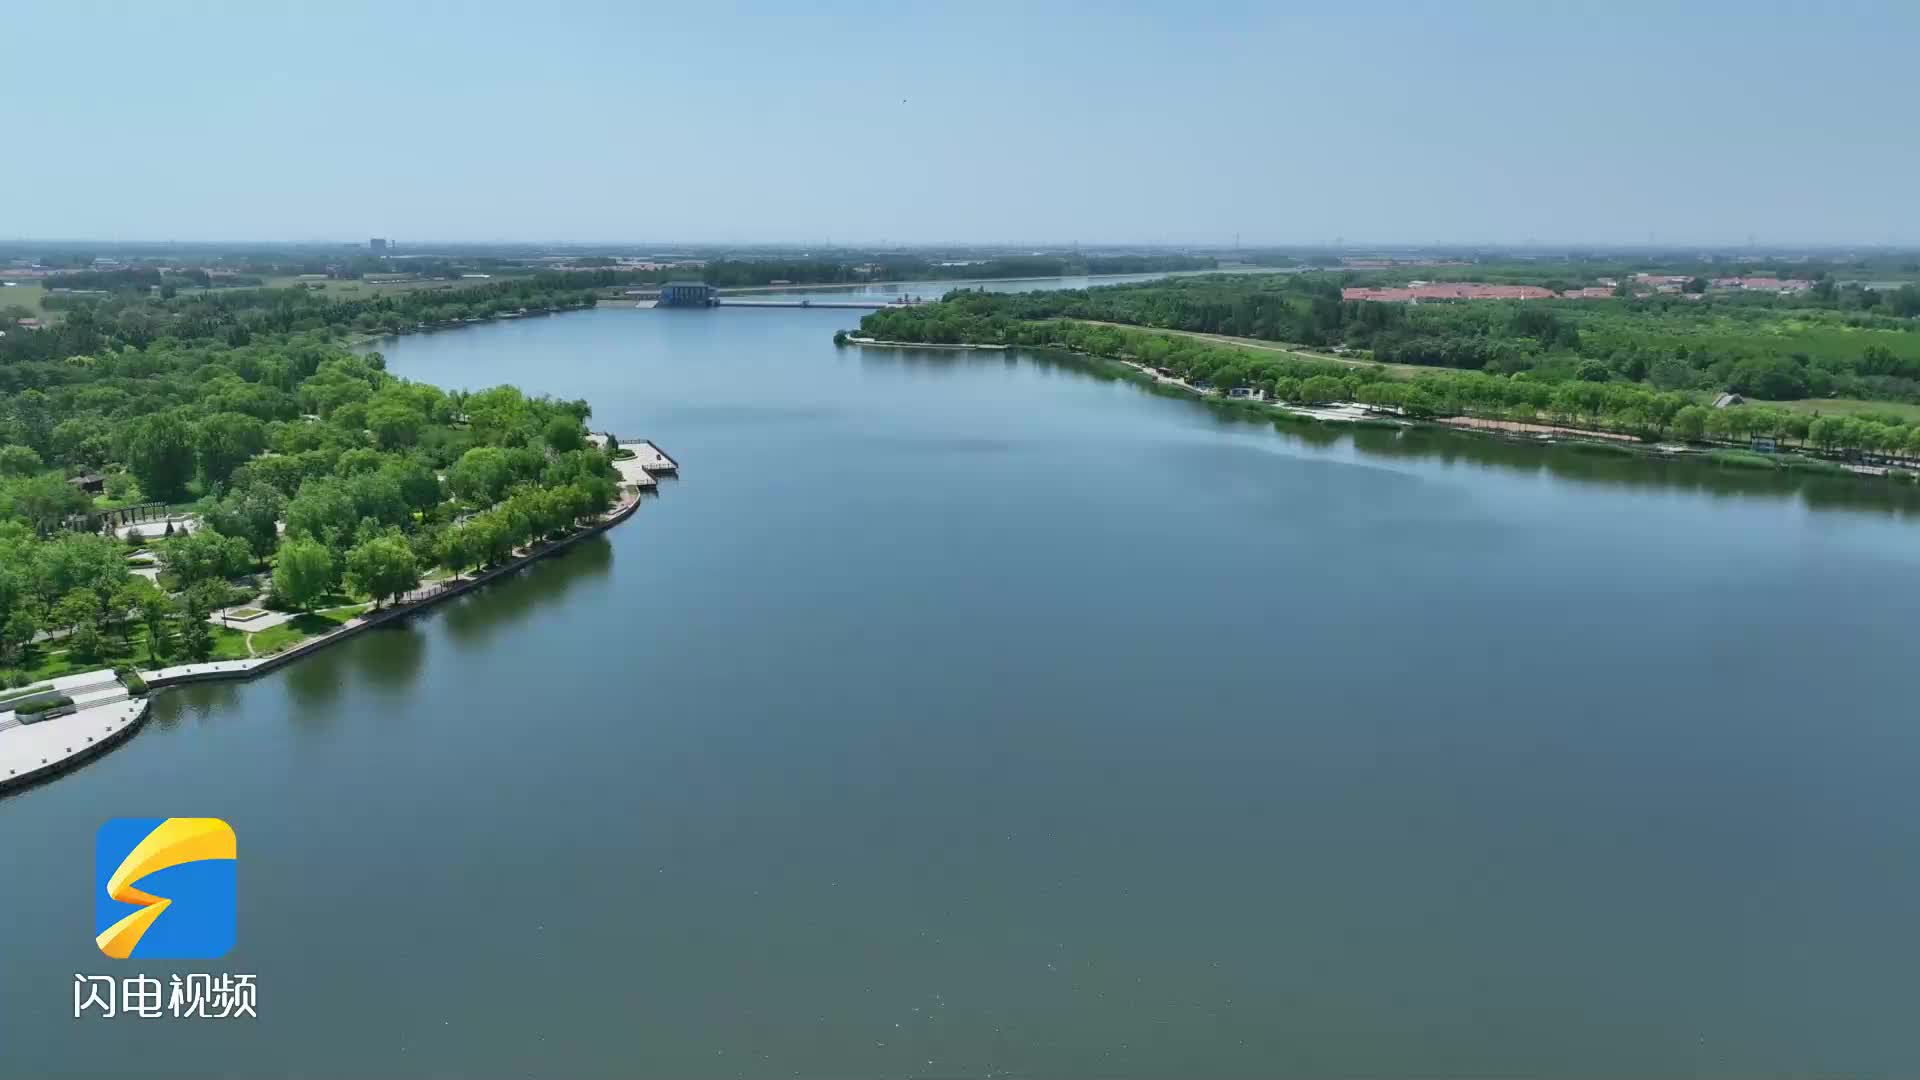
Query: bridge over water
x: 867, y: 305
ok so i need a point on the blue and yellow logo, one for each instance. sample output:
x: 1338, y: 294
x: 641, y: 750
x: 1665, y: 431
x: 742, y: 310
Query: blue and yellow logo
x: 184, y: 907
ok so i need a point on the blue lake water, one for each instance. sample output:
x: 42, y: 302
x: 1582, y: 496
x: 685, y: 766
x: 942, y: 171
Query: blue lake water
x: 971, y: 714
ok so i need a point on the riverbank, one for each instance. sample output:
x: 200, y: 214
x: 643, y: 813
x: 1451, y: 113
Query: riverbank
x: 34, y: 752
x: 363, y: 339
x: 1727, y: 455
x: 877, y: 343
x: 632, y: 492
x: 955, y: 283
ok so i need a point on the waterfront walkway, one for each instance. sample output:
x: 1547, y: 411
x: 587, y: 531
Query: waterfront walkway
x: 104, y: 714
x: 636, y: 480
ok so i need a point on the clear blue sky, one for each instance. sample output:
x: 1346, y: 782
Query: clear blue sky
x: 1176, y: 123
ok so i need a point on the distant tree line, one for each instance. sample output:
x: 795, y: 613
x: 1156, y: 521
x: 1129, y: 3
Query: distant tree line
x: 1766, y: 347
x: 1601, y: 405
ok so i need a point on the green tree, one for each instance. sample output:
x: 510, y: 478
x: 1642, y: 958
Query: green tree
x: 160, y: 453
x: 43, y: 501
x: 205, y: 555
x: 394, y: 425
x: 84, y: 643
x: 224, y: 441
x: 481, y: 475
x: 1690, y: 423
x: 83, y: 440
x: 156, y: 611
x: 460, y: 548
x: 563, y: 434
x: 252, y: 514
x: 76, y: 609
x: 19, y: 631
x: 19, y: 461
x: 196, y: 636
x: 419, y: 487
x: 323, y: 510
x: 129, y: 602
x: 382, y: 567
x: 303, y: 572
x: 1320, y: 389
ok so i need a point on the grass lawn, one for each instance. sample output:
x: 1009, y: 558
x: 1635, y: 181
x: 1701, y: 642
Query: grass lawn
x: 1849, y: 407
x: 301, y: 627
x: 25, y: 295
x: 50, y: 660
x: 1402, y: 371
x: 25, y: 691
x: 227, y: 645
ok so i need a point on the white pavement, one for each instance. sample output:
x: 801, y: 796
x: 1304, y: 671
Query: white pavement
x: 105, y: 711
x: 225, y: 617
x: 154, y: 530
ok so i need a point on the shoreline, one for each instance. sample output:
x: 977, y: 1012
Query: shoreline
x: 363, y: 338
x: 117, y: 721
x: 958, y: 282
x: 1511, y: 431
x: 131, y: 712
x: 215, y: 670
x: 866, y: 342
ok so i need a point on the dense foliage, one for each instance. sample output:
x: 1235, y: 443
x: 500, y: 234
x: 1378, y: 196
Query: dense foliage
x: 1611, y: 406
x: 310, y: 467
x: 1768, y: 346
x: 238, y: 316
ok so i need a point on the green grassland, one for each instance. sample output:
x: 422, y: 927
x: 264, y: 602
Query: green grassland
x: 1738, y: 331
x: 24, y: 294
x: 301, y: 627
x: 1906, y: 411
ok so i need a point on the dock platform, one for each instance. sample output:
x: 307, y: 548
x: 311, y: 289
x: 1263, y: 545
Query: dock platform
x: 652, y: 458
x: 648, y: 461
x: 106, y: 714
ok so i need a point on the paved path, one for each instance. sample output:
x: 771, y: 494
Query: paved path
x: 157, y: 529
x: 421, y: 597
x: 106, y: 714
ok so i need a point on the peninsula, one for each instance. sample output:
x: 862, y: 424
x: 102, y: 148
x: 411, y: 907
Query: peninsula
x: 1820, y: 377
x: 210, y: 503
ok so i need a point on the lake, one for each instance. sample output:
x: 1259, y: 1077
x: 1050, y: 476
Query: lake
x: 970, y: 714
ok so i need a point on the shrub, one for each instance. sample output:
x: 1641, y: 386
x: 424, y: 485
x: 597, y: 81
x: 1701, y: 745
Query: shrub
x: 1742, y: 459
x: 133, y: 682
x: 44, y: 704
x: 1814, y: 465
